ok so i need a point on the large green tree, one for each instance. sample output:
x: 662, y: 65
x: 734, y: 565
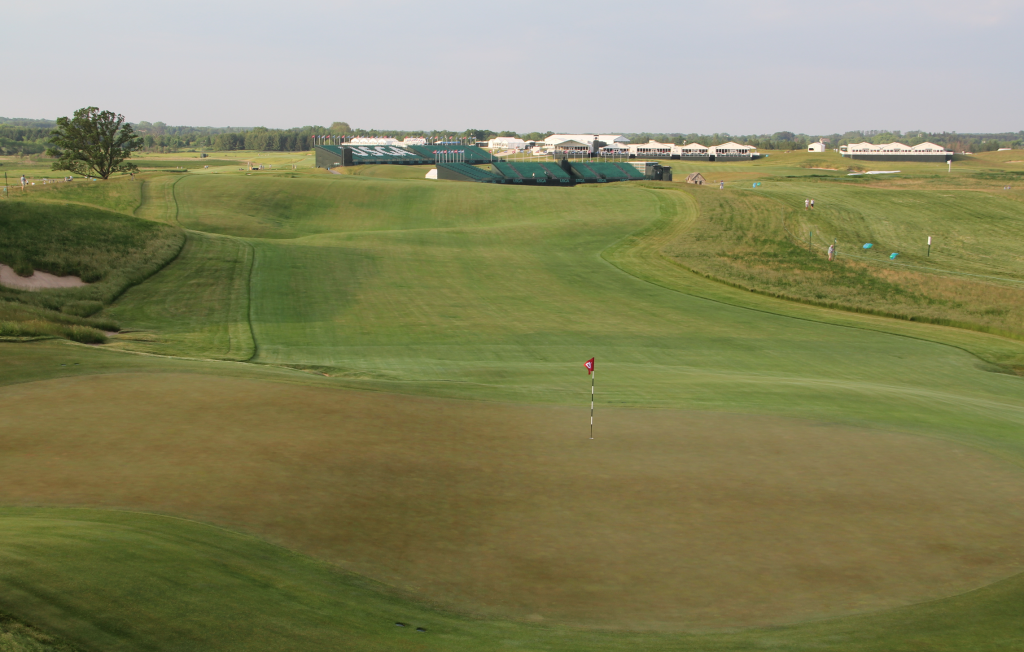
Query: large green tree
x: 94, y: 143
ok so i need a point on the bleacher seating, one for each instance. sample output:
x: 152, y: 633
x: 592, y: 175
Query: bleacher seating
x: 470, y: 171
x: 615, y: 171
x: 630, y: 171
x: 555, y: 170
x: 537, y: 172
x: 362, y: 154
x: 465, y: 153
x: 585, y: 171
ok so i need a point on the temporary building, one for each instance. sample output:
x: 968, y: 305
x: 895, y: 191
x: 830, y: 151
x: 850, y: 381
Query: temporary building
x: 506, y: 142
x: 730, y: 149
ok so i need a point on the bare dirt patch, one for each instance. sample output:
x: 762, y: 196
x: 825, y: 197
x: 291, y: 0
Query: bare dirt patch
x: 38, y: 280
x: 667, y: 520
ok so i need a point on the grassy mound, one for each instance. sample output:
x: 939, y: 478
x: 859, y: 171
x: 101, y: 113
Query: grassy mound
x: 118, y: 194
x: 764, y: 240
x: 109, y: 251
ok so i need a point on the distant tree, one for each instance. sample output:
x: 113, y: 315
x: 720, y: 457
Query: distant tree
x: 93, y: 143
x: 340, y: 128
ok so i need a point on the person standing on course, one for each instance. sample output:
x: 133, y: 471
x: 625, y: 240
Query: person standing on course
x: 721, y: 185
x: 812, y: 203
x: 24, y: 182
x: 807, y: 204
x: 831, y: 252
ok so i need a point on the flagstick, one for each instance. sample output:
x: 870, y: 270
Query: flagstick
x: 593, y: 375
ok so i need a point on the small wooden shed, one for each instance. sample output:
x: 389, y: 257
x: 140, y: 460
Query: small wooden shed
x: 695, y: 177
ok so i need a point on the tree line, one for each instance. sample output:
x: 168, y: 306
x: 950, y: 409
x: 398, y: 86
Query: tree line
x: 27, y: 137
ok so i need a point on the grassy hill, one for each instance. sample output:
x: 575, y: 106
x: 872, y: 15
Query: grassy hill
x: 108, y: 251
x: 406, y: 440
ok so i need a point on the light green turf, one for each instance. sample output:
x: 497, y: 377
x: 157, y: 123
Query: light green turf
x: 198, y: 306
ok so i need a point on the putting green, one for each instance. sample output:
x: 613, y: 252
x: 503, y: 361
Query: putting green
x: 667, y: 520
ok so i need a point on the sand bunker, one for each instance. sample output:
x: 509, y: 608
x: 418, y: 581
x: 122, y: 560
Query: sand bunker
x: 38, y: 280
x: 666, y: 520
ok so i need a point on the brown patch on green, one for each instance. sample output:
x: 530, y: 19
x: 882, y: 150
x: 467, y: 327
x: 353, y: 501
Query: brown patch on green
x: 666, y: 520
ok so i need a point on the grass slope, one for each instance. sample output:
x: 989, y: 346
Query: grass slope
x: 110, y: 251
x: 499, y: 293
x: 972, y: 279
x: 198, y: 306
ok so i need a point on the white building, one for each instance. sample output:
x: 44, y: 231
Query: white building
x: 614, y: 149
x: 896, y: 152
x: 570, y: 145
x: 367, y: 140
x: 731, y: 149
x: 928, y: 148
x: 555, y: 140
x: 652, y: 148
x: 413, y: 140
x: 690, y: 150
x: 506, y: 142
x: 816, y: 147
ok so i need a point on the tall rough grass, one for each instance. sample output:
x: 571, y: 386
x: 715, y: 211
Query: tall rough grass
x: 743, y: 241
x: 16, y: 636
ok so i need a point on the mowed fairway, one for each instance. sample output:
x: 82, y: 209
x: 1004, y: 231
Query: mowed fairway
x: 671, y: 520
x: 755, y: 464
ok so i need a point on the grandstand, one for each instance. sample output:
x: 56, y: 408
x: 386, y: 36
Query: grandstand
x: 612, y: 171
x: 460, y: 163
x: 329, y: 156
x: 586, y: 172
x: 532, y: 172
x: 465, y: 172
x: 448, y: 152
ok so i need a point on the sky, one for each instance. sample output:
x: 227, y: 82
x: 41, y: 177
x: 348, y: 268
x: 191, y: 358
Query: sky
x: 729, y: 66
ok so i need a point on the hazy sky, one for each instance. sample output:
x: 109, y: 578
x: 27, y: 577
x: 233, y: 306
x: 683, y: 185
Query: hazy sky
x: 594, y: 66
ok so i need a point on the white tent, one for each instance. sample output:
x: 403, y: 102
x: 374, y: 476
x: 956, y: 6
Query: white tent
x: 730, y: 149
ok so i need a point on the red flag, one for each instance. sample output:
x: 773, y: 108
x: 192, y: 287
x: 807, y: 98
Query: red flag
x: 589, y: 364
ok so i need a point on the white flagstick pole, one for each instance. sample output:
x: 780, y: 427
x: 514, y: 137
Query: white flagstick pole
x: 593, y: 375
